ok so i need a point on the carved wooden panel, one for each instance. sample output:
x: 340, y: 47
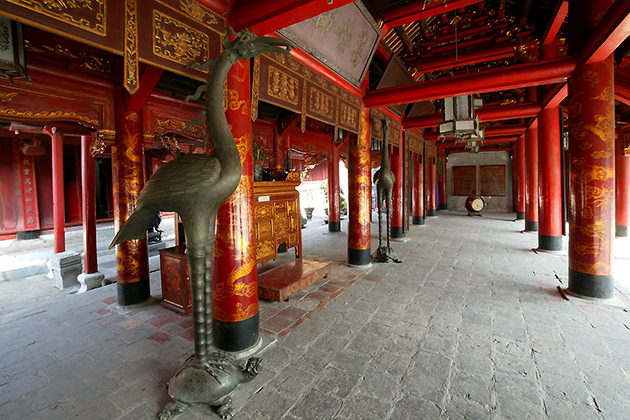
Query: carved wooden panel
x: 175, y: 272
x: 416, y: 143
x: 464, y: 180
x: 280, y: 80
x: 492, y: 180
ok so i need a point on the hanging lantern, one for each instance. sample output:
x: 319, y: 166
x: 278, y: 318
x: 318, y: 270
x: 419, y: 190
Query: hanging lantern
x: 460, y: 121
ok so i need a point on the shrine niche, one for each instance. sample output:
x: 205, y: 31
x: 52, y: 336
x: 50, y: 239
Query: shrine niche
x: 492, y: 180
x: 464, y: 180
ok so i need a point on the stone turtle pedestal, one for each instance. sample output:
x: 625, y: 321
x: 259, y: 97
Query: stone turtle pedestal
x: 65, y: 267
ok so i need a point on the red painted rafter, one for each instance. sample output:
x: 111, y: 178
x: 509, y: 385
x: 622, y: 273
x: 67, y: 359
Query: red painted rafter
x: 554, y: 95
x: 476, y: 56
x: 413, y: 12
x: 612, y: 30
x: 523, y: 75
x: 558, y: 16
x: 508, y: 112
x: 266, y: 16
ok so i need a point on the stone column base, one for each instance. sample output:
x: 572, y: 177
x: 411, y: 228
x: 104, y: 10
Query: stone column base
x: 90, y: 281
x: 65, y: 267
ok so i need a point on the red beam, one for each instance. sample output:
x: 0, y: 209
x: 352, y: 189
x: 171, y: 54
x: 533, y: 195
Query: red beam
x: 450, y: 48
x: 423, y: 121
x: 266, y: 16
x: 495, y: 140
x: 468, y: 58
x: 523, y: 75
x: 554, y: 96
x: 611, y: 31
x: 559, y: 14
x: 413, y: 12
x: 508, y: 112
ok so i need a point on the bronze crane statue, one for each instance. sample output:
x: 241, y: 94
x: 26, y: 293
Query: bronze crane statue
x: 194, y: 186
x: 384, y: 179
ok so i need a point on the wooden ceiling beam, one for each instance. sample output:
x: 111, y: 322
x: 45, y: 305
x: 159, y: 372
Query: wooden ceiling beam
x: 505, y: 78
x: 611, y: 31
x: 557, y: 18
x: 416, y: 10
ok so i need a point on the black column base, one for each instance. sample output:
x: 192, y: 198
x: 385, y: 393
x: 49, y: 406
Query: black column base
x: 359, y: 256
x: 549, y: 243
x: 334, y: 226
x: 591, y: 285
x: 235, y: 336
x: 431, y: 212
x: 531, y: 226
x: 417, y: 220
x: 443, y: 206
x: 133, y: 293
x: 621, y: 231
x: 397, y: 232
x: 520, y: 215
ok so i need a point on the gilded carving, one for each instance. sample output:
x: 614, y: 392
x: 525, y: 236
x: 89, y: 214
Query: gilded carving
x: 283, y: 86
x: 7, y: 96
x: 131, y: 76
x: 89, y: 15
x: 348, y: 115
x: 198, y: 13
x: 255, y: 88
x: 599, y: 229
x: 234, y: 102
x: 178, y: 42
x: 162, y: 126
x: 10, y: 112
x: 321, y: 103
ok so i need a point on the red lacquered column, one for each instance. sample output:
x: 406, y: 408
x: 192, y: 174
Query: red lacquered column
x: 622, y: 186
x: 234, y: 281
x: 418, y: 191
x: 334, y: 198
x: 550, y: 180
x: 592, y: 165
x: 531, y: 171
x: 521, y: 178
x: 431, y: 186
x: 88, y: 207
x: 59, y: 212
x: 132, y: 257
x: 396, y: 159
x: 443, y: 205
x: 359, y: 196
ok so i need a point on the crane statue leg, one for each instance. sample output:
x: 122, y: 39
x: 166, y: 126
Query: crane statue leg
x: 389, y: 251
x: 208, y: 280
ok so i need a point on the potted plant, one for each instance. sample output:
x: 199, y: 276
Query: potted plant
x: 259, y: 155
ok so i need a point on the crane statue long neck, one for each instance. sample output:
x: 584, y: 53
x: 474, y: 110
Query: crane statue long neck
x: 385, y: 150
x: 218, y: 128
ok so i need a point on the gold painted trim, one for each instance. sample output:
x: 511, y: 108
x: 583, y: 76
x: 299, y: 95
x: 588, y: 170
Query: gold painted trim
x: 132, y: 83
x: 44, y: 8
x: 255, y: 88
x: 10, y: 112
x: 194, y: 14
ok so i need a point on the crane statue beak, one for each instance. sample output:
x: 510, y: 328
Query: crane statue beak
x: 264, y: 44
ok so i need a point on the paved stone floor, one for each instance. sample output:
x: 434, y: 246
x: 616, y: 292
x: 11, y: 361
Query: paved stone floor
x: 470, y: 325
